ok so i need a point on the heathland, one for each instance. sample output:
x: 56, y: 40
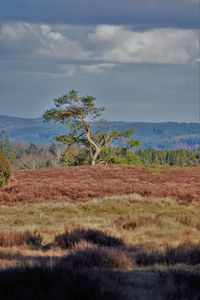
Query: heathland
x: 103, y: 232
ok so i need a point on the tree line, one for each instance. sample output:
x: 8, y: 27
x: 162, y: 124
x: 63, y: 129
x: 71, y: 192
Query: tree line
x: 31, y: 156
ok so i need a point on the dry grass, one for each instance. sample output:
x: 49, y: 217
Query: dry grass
x: 135, y: 219
x: 130, y: 223
x: 9, y: 239
x: 94, y: 223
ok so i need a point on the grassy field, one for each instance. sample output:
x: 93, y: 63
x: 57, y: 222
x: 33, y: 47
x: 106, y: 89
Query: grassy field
x: 116, y: 232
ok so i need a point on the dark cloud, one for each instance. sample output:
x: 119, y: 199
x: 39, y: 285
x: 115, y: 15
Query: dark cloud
x: 177, y: 13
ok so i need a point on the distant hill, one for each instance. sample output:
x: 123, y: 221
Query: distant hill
x: 167, y: 135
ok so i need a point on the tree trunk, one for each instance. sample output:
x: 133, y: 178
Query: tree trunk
x: 94, y: 157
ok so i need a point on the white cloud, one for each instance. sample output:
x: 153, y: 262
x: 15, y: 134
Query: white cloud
x: 97, y: 68
x: 168, y: 46
x: 39, y: 40
x: 13, y: 33
x: 54, y: 44
x: 99, y: 47
x: 93, y: 69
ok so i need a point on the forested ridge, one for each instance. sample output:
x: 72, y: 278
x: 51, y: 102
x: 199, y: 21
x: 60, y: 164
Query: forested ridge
x: 166, y: 135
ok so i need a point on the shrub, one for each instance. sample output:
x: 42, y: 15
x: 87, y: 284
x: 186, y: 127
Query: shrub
x: 73, y: 236
x: 103, y: 257
x: 5, y: 171
x: 9, y: 239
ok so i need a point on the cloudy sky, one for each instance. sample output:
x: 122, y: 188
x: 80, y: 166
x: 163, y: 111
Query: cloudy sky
x: 139, y: 58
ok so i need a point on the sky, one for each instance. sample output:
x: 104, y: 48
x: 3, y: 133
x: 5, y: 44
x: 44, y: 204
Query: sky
x: 139, y: 58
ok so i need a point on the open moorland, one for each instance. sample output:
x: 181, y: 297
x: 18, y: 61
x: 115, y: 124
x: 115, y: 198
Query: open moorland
x: 104, y: 232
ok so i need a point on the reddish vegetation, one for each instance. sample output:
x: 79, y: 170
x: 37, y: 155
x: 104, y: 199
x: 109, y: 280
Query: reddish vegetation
x: 85, y: 182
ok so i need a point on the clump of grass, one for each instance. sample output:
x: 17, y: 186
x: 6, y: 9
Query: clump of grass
x: 73, y: 236
x: 9, y: 239
x: 130, y: 223
x: 101, y: 257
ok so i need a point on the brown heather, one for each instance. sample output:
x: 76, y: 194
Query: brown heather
x: 85, y: 182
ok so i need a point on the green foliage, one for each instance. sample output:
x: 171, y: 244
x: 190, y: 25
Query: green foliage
x: 5, y: 171
x: 70, y: 105
x: 123, y: 155
x: 112, y: 155
x: 45, y: 164
x: 179, y: 157
x: 75, y: 156
x: 119, y: 155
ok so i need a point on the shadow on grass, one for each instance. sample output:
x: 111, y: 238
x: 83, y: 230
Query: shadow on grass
x: 45, y: 283
x: 184, y: 253
x: 103, y: 267
x: 95, y: 284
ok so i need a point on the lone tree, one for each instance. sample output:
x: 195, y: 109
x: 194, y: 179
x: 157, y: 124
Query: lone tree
x: 76, y: 113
